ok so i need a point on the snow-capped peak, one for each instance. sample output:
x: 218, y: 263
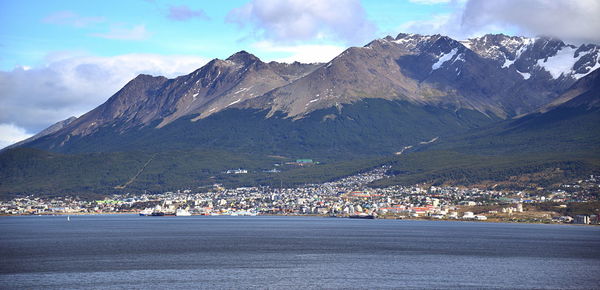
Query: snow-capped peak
x: 531, y: 55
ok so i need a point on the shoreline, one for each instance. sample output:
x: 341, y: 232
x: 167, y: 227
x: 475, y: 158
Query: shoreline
x: 304, y: 215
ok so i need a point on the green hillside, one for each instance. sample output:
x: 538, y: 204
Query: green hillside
x: 365, y: 128
x: 30, y: 171
x: 363, y: 135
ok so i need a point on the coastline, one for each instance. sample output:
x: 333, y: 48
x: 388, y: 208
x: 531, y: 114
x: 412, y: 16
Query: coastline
x: 495, y: 221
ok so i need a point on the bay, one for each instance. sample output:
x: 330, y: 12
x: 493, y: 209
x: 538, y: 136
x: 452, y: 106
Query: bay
x: 129, y: 251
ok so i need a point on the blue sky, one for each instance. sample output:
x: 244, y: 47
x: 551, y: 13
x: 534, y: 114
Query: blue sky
x: 30, y: 30
x: 62, y: 58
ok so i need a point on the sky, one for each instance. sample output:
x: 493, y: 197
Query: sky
x: 62, y: 58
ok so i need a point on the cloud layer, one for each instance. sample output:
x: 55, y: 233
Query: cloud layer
x: 569, y: 20
x: 32, y: 99
x: 566, y: 19
x: 10, y: 134
x: 299, y: 53
x: 304, y: 20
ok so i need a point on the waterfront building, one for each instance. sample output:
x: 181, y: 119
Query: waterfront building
x: 582, y: 219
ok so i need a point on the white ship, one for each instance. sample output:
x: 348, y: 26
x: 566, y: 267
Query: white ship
x: 182, y: 212
x: 146, y: 212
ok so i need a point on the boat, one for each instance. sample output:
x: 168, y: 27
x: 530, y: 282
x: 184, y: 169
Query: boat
x: 182, y: 212
x: 157, y: 211
x: 146, y: 212
x: 362, y: 216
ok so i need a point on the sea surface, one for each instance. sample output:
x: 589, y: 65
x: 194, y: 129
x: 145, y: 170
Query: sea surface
x: 216, y: 252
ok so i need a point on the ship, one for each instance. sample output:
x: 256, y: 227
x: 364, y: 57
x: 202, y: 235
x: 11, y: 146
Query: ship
x: 363, y: 216
x: 158, y: 211
x: 146, y: 212
x: 182, y: 212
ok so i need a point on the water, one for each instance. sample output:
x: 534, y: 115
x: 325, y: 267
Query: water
x: 126, y: 251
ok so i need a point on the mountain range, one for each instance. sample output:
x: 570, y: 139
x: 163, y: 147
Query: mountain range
x: 394, y: 98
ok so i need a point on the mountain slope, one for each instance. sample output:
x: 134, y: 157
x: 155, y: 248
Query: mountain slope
x: 560, y: 140
x: 212, y: 88
x: 389, y: 69
x: 425, y: 71
x: 364, y: 128
x: 541, y: 56
x: 26, y: 171
x: 495, y: 103
x: 571, y: 124
x: 485, y: 74
x: 50, y: 130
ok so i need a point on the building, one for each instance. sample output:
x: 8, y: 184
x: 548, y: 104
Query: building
x: 582, y: 219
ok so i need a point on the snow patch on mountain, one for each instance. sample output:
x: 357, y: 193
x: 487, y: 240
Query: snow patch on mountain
x: 525, y: 75
x: 589, y: 69
x: 561, y: 63
x: 444, y: 58
x: 508, y: 62
x: 460, y: 57
x: 241, y: 90
x: 234, y: 102
x: 526, y: 43
x: 411, y: 41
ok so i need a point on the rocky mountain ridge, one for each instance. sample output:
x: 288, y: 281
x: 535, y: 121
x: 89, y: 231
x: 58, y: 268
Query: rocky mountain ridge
x: 463, y: 109
x: 491, y: 74
x: 486, y: 75
x: 147, y: 100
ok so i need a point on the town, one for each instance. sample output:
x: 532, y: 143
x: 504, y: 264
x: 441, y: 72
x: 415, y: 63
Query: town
x: 347, y: 197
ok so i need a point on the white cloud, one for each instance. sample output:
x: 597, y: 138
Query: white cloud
x: 11, y: 134
x: 566, y: 19
x: 71, y: 84
x: 300, y: 53
x: 300, y: 20
x: 572, y: 21
x: 439, y: 23
x: 137, y: 32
